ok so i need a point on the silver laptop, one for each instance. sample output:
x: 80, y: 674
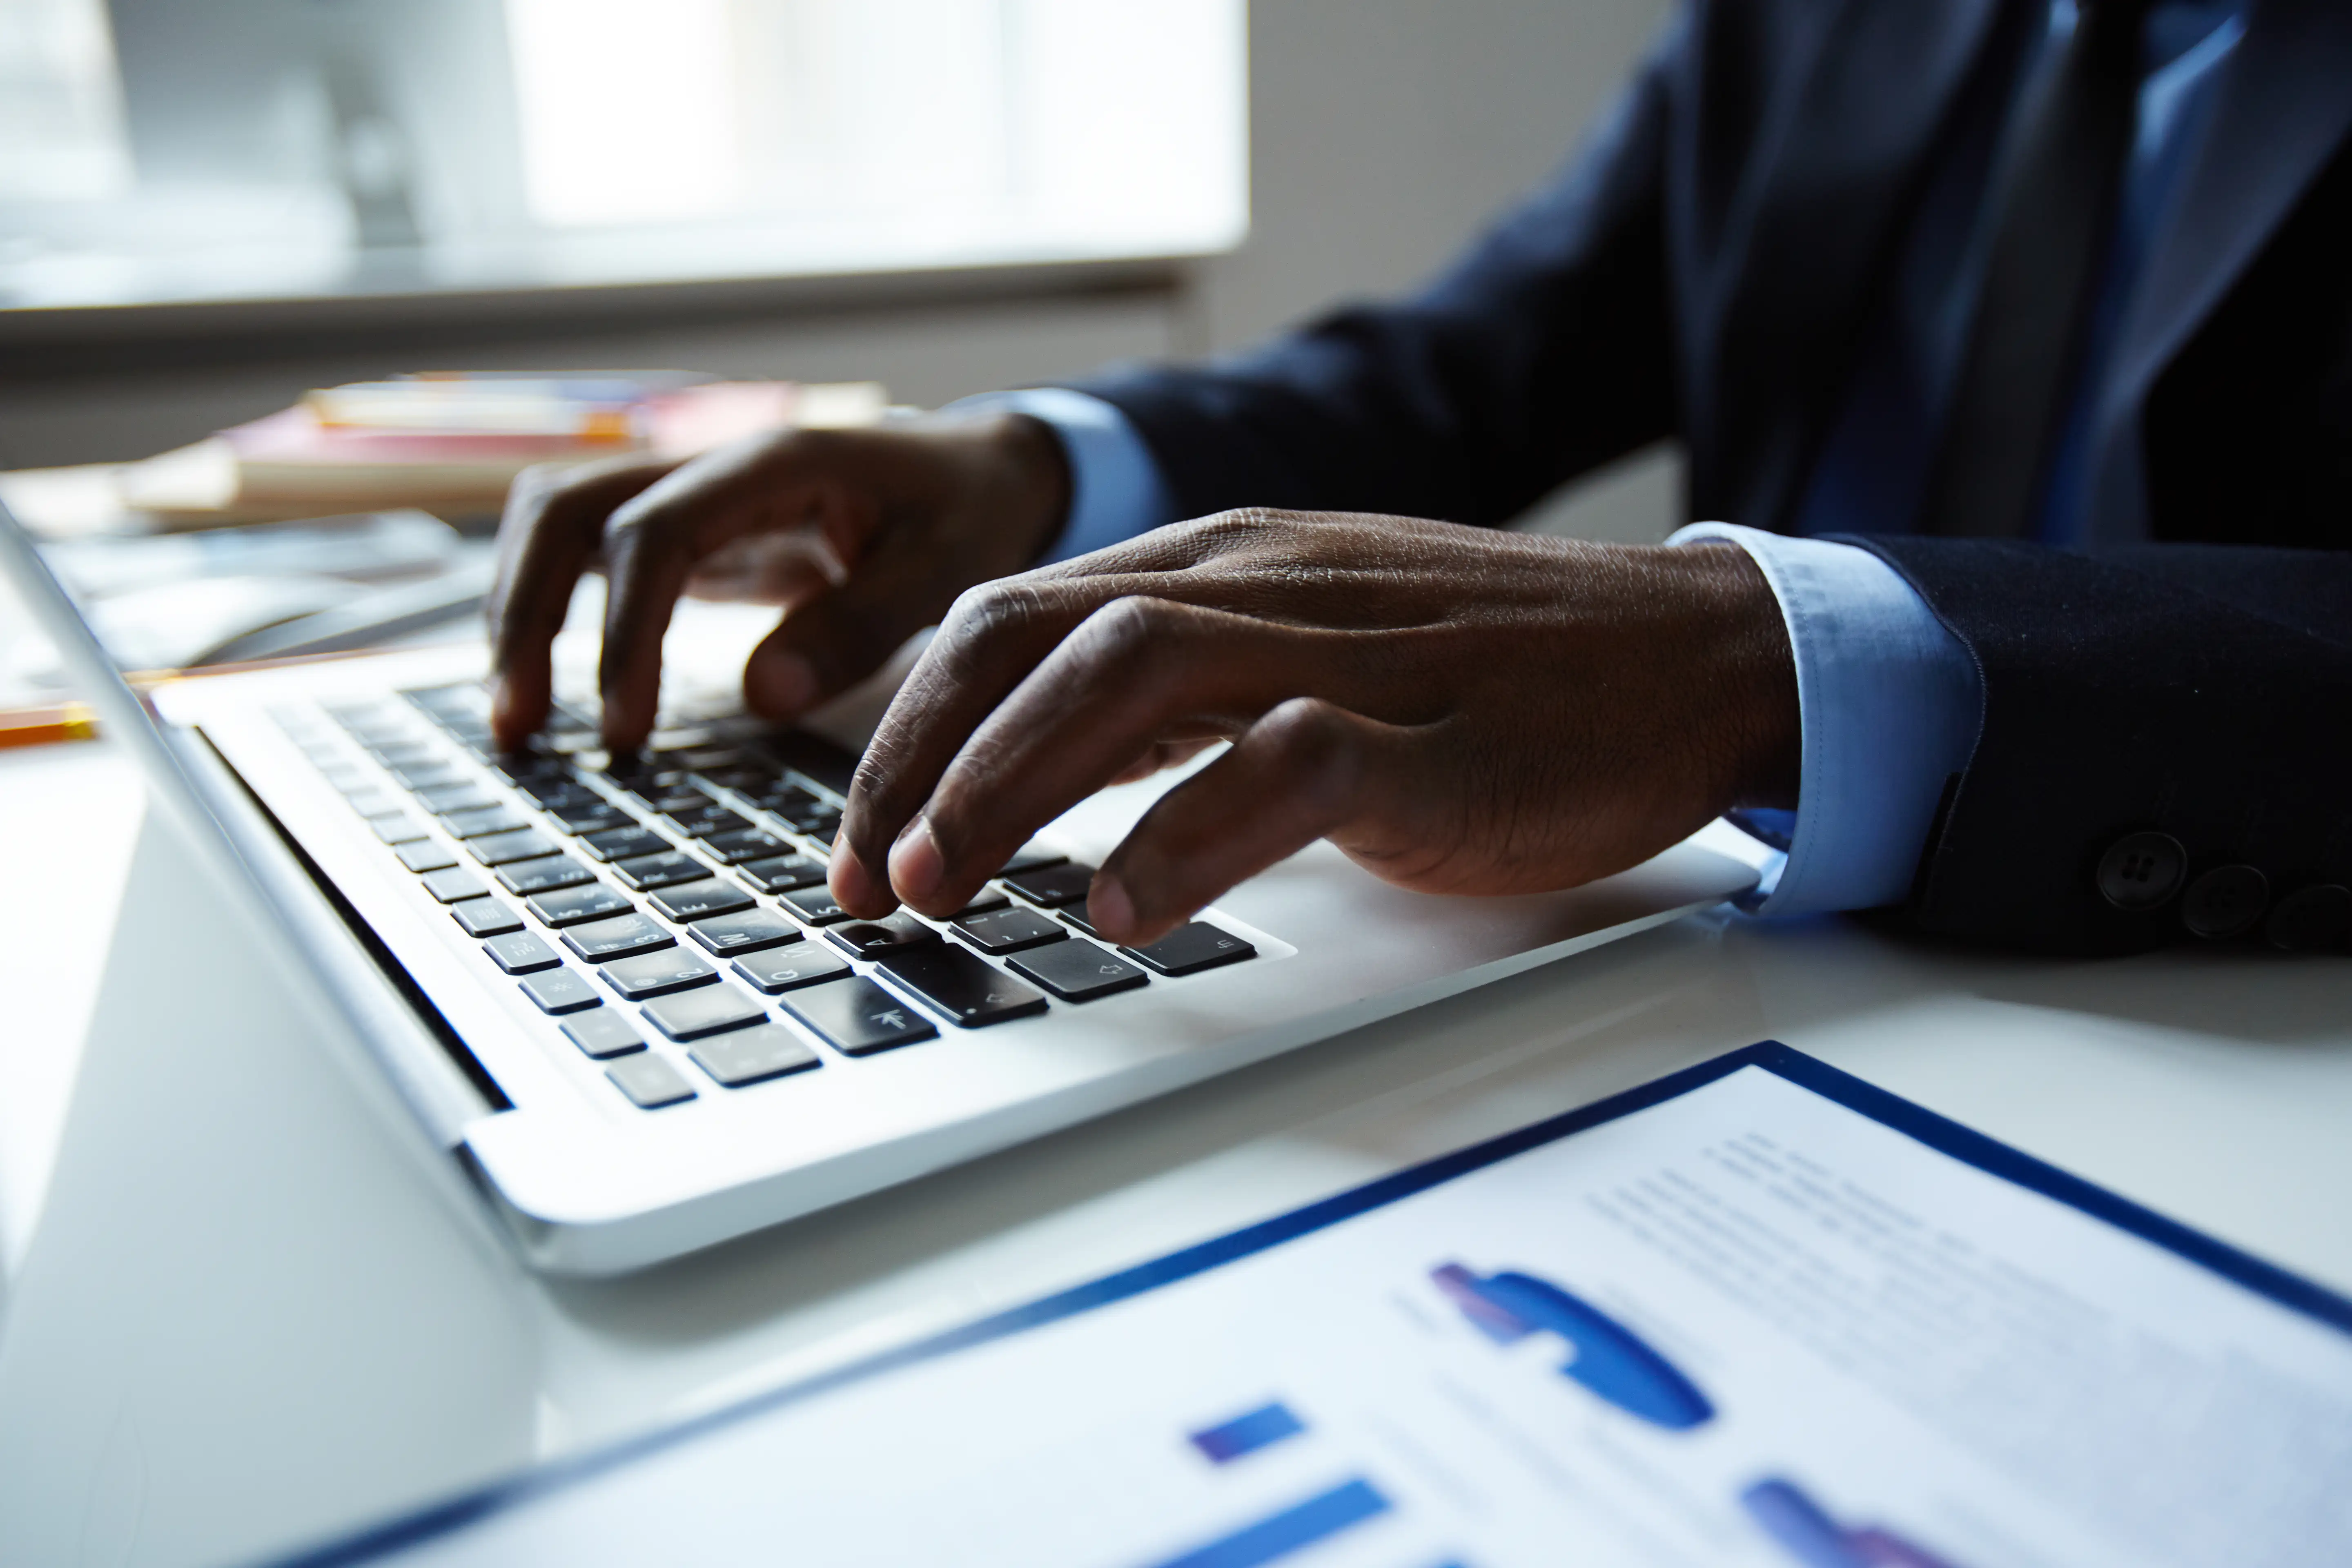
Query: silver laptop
x: 620, y: 998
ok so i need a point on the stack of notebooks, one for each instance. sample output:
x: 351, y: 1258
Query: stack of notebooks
x: 451, y: 442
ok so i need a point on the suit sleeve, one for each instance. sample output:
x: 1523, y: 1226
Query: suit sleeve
x: 2201, y: 693
x: 1542, y: 352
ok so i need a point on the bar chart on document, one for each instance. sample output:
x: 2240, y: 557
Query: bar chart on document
x: 1744, y: 1325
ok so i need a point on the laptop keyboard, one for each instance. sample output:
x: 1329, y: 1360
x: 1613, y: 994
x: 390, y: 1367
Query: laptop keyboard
x: 669, y: 915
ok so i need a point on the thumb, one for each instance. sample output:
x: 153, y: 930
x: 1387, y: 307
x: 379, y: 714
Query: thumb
x: 837, y: 638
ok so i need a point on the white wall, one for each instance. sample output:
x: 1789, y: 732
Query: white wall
x: 1384, y: 134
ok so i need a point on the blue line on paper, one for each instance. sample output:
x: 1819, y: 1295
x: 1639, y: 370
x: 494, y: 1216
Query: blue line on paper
x: 1295, y: 1529
x: 1247, y: 1433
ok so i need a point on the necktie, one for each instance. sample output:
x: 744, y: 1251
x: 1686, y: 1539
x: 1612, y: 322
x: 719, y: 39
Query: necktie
x: 2051, y: 202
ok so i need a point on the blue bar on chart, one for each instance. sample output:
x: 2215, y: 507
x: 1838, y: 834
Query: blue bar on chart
x: 1247, y: 1433
x: 1295, y: 1529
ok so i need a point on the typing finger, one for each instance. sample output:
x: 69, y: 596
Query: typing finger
x: 653, y: 542
x: 1307, y: 770
x: 841, y: 634
x: 546, y: 539
x: 992, y: 637
x: 1136, y: 671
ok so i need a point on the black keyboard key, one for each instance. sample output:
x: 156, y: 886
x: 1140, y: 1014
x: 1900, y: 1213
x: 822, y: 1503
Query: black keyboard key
x: 786, y: 798
x: 623, y: 844
x: 708, y: 823
x: 373, y: 803
x: 664, y: 870
x: 806, y: 813
x: 783, y: 873
x: 1075, y: 917
x: 600, y: 817
x: 1079, y: 971
x: 857, y: 1017
x: 483, y: 821
x: 872, y: 939
x: 602, y: 1034
x: 543, y: 875
x: 1190, y: 947
x: 484, y: 917
x: 711, y: 1010
x: 657, y: 974
x: 1009, y: 930
x: 558, y: 792
x: 506, y: 848
x: 815, y: 906
x: 660, y: 784
x: 622, y: 936
x: 401, y: 829
x: 989, y: 898
x: 747, y: 779
x: 561, y: 991
x: 753, y: 1055
x: 747, y: 844
x: 453, y: 886
x: 454, y: 797
x: 699, y: 900
x: 519, y: 953
x: 790, y: 968
x: 823, y: 826
x: 1032, y: 857
x: 1052, y: 886
x: 649, y: 1082
x: 525, y: 769
x: 407, y: 753
x: 426, y: 855
x: 746, y: 931
x: 570, y: 906
x: 967, y: 989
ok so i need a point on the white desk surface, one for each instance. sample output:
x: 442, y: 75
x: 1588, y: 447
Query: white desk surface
x: 234, y: 1316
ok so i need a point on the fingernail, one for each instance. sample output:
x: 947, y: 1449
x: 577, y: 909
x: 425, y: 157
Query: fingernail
x: 1110, y: 908
x: 916, y: 867
x: 782, y: 685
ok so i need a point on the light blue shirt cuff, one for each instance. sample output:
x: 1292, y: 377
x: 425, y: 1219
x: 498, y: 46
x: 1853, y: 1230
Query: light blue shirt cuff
x: 1116, y: 487
x: 1889, y: 704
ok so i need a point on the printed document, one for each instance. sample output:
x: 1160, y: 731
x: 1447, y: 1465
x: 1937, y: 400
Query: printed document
x: 1746, y: 1324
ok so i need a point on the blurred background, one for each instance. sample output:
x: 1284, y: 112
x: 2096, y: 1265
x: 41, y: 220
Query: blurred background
x: 209, y: 206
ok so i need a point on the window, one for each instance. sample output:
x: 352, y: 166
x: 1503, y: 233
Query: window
x: 160, y: 149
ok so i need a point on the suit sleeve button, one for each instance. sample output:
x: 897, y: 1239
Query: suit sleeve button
x: 2311, y: 919
x: 2225, y: 901
x: 2141, y: 871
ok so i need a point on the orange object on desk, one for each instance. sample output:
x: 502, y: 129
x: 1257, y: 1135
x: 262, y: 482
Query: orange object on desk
x: 42, y: 726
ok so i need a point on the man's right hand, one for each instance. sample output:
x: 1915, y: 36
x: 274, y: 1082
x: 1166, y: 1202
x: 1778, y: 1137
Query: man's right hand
x: 862, y: 537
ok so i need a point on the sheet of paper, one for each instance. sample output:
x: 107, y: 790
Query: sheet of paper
x: 1748, y: 1325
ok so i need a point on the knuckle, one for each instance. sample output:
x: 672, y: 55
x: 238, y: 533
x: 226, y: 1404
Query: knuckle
x: 1136, y: 643
x: 627, y: 534
x: 1126, y: 630
x: 1316, y: 745
x: 1232, y: 529
x: 991, y: 612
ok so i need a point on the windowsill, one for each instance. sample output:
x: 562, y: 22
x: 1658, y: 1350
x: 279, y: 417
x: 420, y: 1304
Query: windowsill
x: 397, y: 291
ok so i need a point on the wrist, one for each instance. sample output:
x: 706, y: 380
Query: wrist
x: 1023, y: 481
x: 1755, y: 710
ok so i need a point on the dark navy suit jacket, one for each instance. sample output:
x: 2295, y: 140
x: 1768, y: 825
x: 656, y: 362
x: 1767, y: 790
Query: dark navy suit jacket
x: 1705, y: 268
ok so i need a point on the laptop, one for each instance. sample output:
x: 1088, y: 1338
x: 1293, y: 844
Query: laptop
x: 615, y: 992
